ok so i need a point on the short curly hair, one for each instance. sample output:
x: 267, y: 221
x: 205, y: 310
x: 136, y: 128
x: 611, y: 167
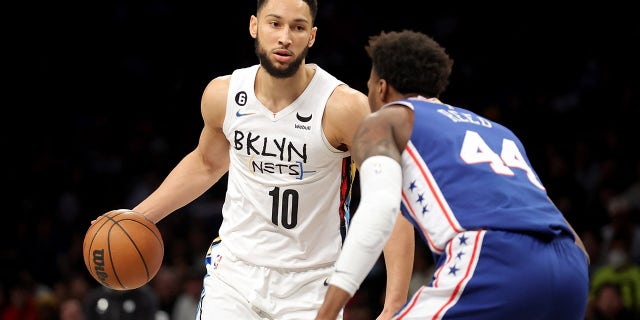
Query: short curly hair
x: 411, y: 62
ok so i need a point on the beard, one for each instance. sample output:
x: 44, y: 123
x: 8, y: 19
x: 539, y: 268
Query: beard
x: 271, y: 67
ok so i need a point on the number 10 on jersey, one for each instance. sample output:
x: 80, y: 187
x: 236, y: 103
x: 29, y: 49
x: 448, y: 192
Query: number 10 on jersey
x: 284, y: 207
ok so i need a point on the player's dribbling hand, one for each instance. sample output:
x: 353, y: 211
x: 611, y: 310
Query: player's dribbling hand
x: 117, y: 210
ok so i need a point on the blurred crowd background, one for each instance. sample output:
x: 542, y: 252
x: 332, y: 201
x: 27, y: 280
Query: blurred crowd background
x: 102, y: 100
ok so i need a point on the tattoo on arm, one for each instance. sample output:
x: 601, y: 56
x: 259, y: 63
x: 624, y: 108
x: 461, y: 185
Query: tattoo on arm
x: 375, y: 139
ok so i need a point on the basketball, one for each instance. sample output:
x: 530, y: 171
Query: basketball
x: 123, y: 250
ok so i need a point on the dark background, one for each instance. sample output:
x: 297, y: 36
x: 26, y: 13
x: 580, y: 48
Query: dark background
x: 102, y: 100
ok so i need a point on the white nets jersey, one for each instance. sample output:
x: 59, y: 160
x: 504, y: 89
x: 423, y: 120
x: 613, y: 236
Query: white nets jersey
x: 288, y: 188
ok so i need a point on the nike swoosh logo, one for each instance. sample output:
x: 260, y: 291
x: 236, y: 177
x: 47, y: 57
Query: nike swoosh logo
x: 303, y: 119
x: 326, y: 284
x: 240, y: 114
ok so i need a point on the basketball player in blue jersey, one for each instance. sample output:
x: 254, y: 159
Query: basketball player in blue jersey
x: 501, y: 247
x: 282, y: 130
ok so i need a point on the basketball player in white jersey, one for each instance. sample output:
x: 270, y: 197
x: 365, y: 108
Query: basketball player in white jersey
x: 281, y: 129
x: 502, y: 249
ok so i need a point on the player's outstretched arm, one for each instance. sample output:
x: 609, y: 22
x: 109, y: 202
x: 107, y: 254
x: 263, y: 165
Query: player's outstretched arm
x: 371, y: 227
x: 376, y: 148
x: 398, y: 256
x: 199, y: 169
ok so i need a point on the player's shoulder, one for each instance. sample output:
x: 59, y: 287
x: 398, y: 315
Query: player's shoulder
x: 214, y: 99
x: 220, y: 85
x: 217, y: 87
x: 345, y: 90
x: 223, y: 80
x: 346, y: 96
x: 342, y: 90
x: 345, y: 109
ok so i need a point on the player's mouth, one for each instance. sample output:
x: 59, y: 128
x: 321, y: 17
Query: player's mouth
x: 283, y: 55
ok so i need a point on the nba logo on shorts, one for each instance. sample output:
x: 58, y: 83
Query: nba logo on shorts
x: 216, y: 261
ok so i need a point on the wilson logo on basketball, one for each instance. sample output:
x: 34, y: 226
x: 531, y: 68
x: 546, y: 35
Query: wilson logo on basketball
x: 98, y: 260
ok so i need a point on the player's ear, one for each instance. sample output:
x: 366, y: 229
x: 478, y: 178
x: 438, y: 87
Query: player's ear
x: 383, y: 89
x: 312, y: 37
x: 253, y: 26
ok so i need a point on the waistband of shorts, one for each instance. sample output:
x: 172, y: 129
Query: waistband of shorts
x: 217, y: 242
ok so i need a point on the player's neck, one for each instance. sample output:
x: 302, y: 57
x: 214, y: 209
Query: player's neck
x: 277, y: 93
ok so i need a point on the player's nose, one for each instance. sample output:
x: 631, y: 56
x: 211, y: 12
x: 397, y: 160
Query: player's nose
x: 285, y: 37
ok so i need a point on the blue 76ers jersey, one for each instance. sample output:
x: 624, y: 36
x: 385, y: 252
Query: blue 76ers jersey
x: 463, y: 172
